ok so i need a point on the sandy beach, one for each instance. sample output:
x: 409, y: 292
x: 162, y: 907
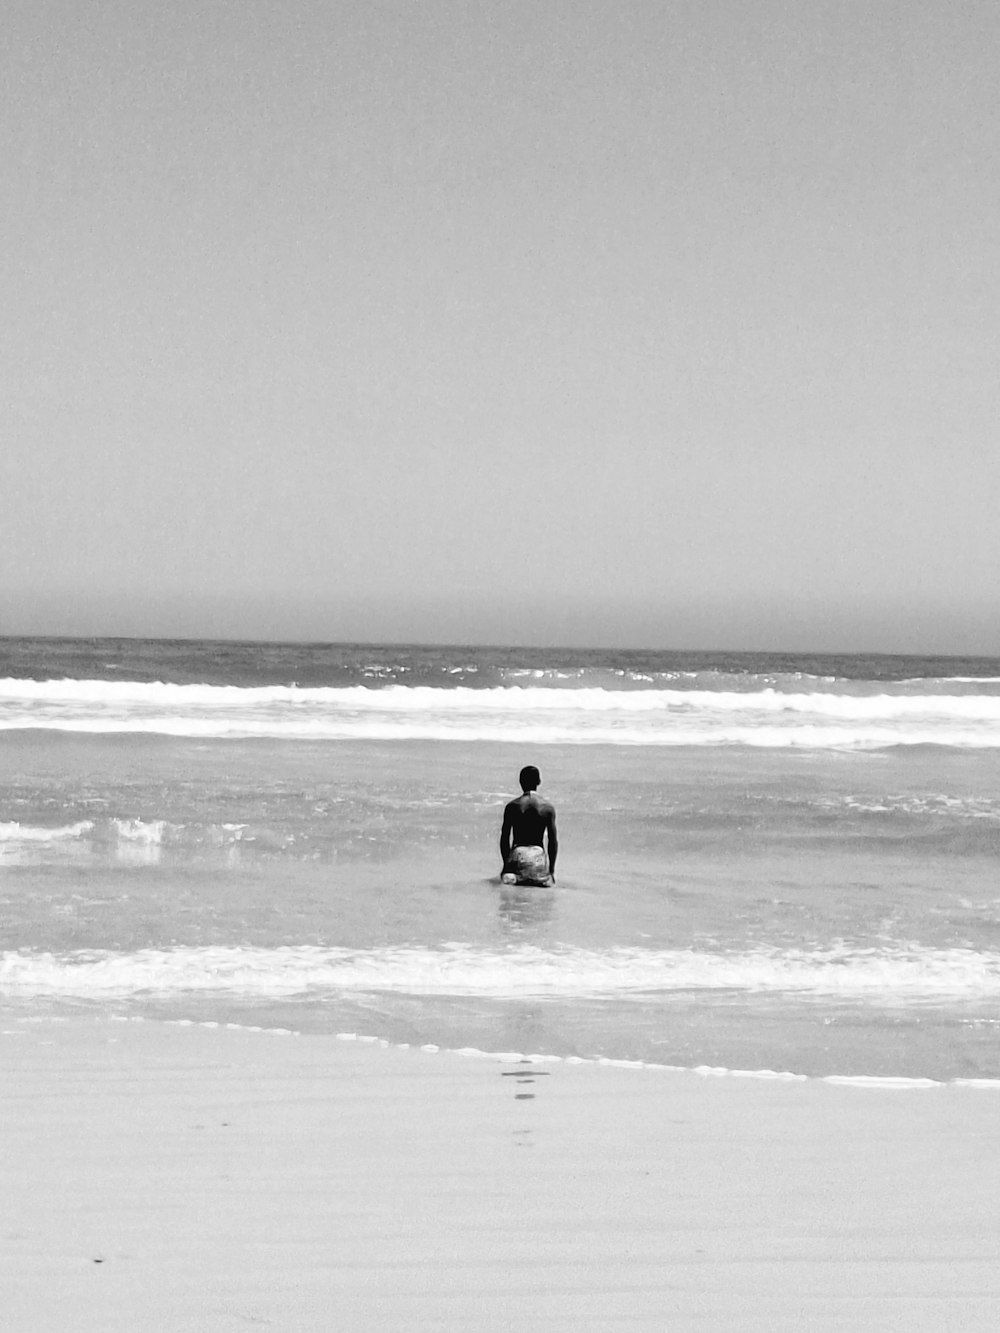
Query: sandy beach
x: 169, y: 1177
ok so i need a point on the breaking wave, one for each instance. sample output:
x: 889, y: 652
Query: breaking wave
x: 13, y: 832
x: 768, y: 717
x: 890, y: 976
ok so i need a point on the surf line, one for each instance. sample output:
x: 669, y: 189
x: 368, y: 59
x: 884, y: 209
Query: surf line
x: 530, y: 1060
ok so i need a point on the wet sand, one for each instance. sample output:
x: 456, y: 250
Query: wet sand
x: 200, y: 1180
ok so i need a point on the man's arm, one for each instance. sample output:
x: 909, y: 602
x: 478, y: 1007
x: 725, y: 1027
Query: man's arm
x: 505, y: 837
x: 552, y: 840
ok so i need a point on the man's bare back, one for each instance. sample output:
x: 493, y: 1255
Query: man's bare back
x: 529, y: 818
x: 528, y: 840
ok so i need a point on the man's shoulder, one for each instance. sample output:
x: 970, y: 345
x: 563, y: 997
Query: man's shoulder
x: 521, y: 805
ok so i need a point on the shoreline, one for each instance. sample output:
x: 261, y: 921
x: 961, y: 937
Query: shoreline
x: 169, y: 1176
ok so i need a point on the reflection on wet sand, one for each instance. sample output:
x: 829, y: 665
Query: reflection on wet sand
x: 524, y: 1076
x: 522, y: 908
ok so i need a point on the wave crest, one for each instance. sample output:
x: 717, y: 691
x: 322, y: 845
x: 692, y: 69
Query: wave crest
x: 460, y: 970
x: 768, y: 717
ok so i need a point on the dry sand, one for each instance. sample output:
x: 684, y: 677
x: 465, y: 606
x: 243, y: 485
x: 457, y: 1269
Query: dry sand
x: 158, y: 1177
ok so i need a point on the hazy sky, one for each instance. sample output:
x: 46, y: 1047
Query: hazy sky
x: 661, y: 323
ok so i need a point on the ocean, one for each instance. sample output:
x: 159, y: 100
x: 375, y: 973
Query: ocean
x: 768, y: 862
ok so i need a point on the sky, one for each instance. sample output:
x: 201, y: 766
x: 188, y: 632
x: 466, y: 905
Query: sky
x: 658, y: 323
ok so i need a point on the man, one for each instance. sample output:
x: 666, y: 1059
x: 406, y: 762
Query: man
x: 529, y: 823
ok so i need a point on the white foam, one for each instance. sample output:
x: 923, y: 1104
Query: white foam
x: 879, y: 976
x: 506, y: 699
x: 876, y: 1082
x: 13, y: 832
x: 763, y: 717
x: 138, y: 831
x: 880, y: 1081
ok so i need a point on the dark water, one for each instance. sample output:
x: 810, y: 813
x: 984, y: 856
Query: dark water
x: 223, y: 662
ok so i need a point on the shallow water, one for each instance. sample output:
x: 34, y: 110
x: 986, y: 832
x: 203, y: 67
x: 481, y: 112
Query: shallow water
x: 809, y: 908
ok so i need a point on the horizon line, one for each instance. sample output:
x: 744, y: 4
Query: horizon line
x: 506, y: 647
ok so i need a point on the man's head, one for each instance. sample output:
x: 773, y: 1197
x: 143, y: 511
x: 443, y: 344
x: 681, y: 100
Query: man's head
x: 529, y: 778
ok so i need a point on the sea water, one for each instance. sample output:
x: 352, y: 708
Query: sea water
x: 766, y: 862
